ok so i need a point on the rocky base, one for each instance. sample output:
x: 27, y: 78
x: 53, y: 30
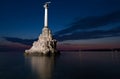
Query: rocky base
x: 42, y: 54
x: 45, y: 45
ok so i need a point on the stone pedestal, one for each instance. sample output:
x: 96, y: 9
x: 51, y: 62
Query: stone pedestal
x: 45, y: 45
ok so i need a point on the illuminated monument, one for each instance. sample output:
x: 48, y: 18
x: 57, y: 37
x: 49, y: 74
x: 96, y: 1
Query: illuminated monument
x: 45, y: 45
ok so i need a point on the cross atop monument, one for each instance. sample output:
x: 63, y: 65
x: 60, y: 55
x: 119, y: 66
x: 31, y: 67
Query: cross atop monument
x: 46, y: 14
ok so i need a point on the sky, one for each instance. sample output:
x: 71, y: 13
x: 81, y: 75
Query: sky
x: 76, y: 24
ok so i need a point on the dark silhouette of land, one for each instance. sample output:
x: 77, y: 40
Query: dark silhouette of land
x: 4, y: 48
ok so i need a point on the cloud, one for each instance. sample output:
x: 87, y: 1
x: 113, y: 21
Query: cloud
x: 12, y: 46
x: 90, y: 34
x: 83, y: 29
x: 91, y: 22
x: 73, y: 36
x: 89, y: 28
x: 19, y: 40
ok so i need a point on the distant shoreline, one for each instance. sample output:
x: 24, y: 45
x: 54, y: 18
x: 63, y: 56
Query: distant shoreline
x: 114, y: 50
x: 22, y: 49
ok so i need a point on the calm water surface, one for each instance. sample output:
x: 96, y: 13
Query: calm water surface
x: 69, y: 65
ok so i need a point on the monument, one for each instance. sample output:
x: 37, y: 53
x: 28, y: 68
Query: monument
x: 45, y: 45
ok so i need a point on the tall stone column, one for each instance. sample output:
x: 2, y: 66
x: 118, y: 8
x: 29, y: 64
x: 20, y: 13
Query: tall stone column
x: 46, y: 14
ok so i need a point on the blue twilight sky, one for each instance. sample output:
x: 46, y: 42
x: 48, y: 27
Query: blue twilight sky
x: 69, y: 20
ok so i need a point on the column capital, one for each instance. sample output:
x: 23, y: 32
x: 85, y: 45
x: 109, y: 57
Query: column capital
x: 46, y: 4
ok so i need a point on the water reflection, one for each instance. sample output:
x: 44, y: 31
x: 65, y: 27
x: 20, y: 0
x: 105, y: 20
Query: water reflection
x: 100, y: 57
x: 41, y: 66
x: 76, y: 65
x: 115, y: 57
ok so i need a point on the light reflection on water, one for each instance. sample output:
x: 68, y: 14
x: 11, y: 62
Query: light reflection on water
x: 42, y: 66
x: 69, y: 65
x: 80, y: 65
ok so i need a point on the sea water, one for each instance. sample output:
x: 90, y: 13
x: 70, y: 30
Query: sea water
x: 69, y: 65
